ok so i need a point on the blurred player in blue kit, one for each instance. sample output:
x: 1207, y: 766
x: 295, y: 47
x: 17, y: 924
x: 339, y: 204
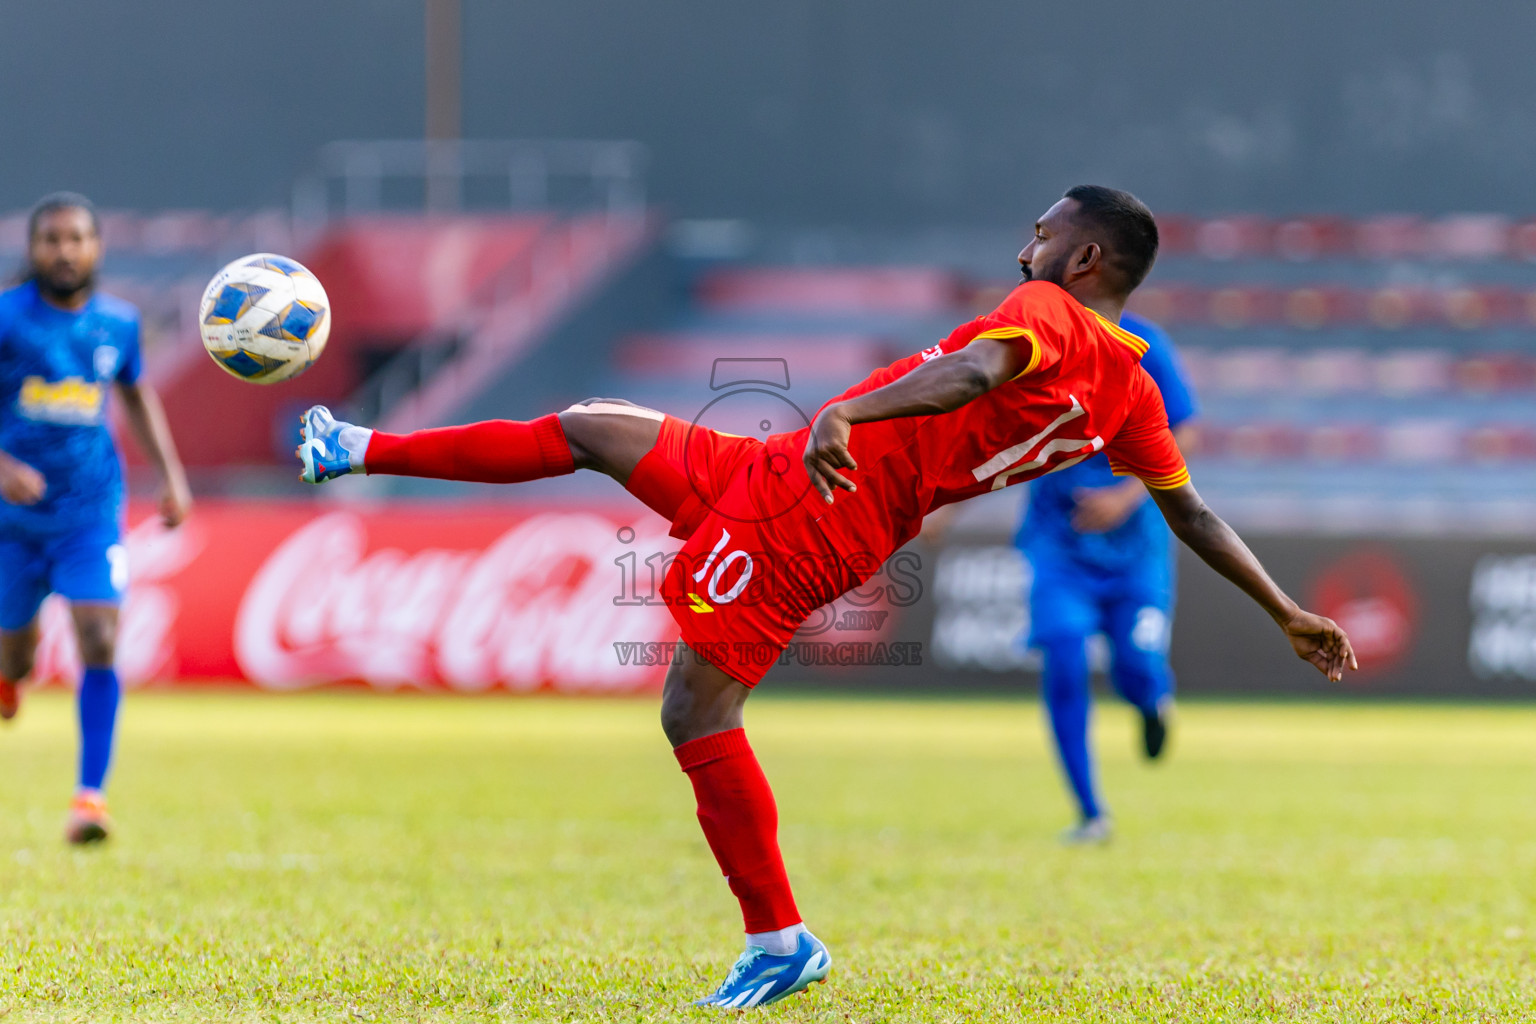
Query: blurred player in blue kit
x: 1103, y: 563
x: 63, y: 347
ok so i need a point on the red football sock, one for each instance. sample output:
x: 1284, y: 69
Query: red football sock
x: 741, y: 823
x: 493, y: 452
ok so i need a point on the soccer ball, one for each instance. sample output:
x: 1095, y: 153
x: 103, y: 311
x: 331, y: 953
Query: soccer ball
x: 264, y: 318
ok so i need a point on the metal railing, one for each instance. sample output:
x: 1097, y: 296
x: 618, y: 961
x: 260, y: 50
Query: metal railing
x: 362, y: 177
x: 444, y: 369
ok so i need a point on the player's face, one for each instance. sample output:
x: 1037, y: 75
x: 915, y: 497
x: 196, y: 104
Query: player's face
x: 64, y: 251
x: 1049, y: 253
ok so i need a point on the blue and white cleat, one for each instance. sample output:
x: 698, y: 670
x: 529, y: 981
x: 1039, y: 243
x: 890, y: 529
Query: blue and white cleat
x: 759, y: 978
x: 330, y: 448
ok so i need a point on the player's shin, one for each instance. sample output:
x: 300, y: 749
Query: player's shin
x: 495, y: 451
x: 97, y: 705
x: 1065, y: 687
x: 740, y: 821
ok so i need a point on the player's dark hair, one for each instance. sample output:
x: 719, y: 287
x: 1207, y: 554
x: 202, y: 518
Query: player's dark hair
x: 51, y: 203
x: 1130, y: 230
x: 55, y: 201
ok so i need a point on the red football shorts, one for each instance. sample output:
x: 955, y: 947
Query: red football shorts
x: 754, y: 564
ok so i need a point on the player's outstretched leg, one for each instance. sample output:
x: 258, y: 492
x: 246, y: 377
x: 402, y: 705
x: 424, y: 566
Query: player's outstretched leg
x: 701, y: 715
x: 603, y: 434
x: 96, y: 702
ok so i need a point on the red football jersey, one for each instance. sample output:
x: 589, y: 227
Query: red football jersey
x: 1082, y: 391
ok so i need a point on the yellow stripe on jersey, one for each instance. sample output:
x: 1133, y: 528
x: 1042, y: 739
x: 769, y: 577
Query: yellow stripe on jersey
x: 1123, y: 336
x: 1172, y: 481
x: 1035, y: 353
x: 1006, y: 331
x: 1010, y: 331
x: 1034, y: 356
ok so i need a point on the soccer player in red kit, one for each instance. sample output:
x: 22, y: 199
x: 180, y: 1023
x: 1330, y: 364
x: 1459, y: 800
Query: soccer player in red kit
x: 774, y: 529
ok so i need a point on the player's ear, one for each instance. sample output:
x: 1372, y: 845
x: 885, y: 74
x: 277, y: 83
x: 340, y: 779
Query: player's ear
x: 1087, y: 259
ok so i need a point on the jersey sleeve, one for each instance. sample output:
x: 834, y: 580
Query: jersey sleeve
x: 131, y: 365
x: 1145, y: 447
x: 1162, y: 363
x: 1030, y: 318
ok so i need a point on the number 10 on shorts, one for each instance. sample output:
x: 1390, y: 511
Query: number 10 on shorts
x: 720, y: 565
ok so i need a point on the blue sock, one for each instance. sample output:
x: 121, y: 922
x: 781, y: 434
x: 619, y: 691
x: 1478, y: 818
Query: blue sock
x: 1065, y: 687
x: 97, y: 703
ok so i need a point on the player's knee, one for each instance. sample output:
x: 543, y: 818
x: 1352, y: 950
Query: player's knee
x: 587, y: 435
x: 699, y: 700
x: 98, y: 641
x: 673, y: 725
x: 1066, y: 649
x: 677, y: 719
x: 1065, y: 666
x: 16, y: 661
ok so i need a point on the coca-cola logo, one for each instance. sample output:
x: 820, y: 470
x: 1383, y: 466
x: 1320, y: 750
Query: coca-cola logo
x: 535, y: 608
x: 1368, y: 594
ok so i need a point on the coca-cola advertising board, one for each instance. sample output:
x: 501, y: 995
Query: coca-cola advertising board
x: 288, y: 595
x: 565, y: 598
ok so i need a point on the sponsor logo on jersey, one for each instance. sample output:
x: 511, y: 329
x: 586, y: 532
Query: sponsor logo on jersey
x: 104, y: 359
x: 72, y: 401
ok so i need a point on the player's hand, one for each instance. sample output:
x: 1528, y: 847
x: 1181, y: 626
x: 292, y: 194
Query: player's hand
x: 826, y: 451
x: 175, y: 503
x: 20, y: 484
x: 1322, y: 642
x: 1101, y: 509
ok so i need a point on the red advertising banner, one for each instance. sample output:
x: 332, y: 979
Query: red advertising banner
x: 287, y: 595
x: 521, y: 598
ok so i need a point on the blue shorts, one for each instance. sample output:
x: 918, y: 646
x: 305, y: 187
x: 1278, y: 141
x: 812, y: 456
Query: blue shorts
x: 1071, y: 602
x: 86, y: 564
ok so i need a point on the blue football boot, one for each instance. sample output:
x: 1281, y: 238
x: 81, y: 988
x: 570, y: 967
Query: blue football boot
x: 330, y: 448
x: 760, y: 978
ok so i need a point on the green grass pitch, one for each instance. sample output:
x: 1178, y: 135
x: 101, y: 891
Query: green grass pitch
x: 348, y: 857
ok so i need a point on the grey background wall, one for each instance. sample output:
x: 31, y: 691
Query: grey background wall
x: 802, y: 111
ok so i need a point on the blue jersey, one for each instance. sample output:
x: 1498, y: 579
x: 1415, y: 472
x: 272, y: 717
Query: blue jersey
x: 1047, y: 526
x: 56, y: 370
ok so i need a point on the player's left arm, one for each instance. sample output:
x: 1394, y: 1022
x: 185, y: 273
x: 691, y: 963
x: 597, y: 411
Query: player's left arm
x: 146, y: 417
x: 1315, y: 638
x: 942, y: 384
x: 1144, y: 447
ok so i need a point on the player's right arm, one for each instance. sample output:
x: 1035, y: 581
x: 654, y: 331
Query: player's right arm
x: 1315, y: 638
x: 20, y: 484
x: 942, y: 384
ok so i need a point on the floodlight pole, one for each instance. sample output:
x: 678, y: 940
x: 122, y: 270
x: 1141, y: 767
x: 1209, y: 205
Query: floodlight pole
x: 444, y: 38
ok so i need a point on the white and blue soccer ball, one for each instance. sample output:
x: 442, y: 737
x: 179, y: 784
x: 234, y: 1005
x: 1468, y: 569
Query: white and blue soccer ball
x: 264, y: 318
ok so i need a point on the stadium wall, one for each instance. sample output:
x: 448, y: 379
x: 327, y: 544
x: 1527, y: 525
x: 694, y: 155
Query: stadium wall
x: 807, y: 111
x: 563, y: 597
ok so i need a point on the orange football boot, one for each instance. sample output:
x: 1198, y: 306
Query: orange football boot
x: 88, y: 821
